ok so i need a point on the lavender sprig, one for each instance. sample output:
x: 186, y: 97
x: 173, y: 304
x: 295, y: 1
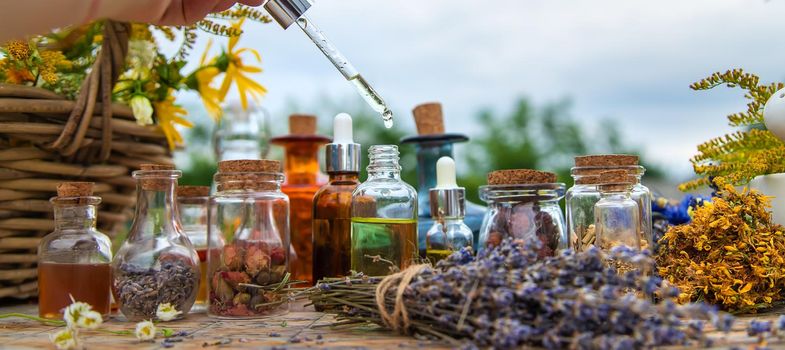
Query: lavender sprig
x: 507, y: 297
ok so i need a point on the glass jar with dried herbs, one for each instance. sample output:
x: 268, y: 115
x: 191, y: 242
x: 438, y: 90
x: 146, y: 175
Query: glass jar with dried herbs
x: 617, y: 216
x: 524, y: 204
x: 248, y: 241
x: 74, y: 261
x: 157, y: 264
x: 581, y: 198
x: 192, y: 205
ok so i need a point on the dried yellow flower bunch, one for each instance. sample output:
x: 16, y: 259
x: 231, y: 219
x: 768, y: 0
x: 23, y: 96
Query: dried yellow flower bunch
x: 745, y: 154
x: 730, y: 255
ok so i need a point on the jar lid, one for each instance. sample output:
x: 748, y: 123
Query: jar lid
x: 520, y: 177
x: 249, y: 166
x: 75, y: 189
x: 193, y: 191
x: 248, y: 174
x: 616, y: 177
x: 153, y: 167
x: 302, y: 124
x: 154, y: 182
x: 606, y: 160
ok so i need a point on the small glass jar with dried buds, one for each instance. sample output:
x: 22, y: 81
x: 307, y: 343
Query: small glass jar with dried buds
x: 157, y: 264
x: 581, y: 198
x: 524, y: 204
x: 248, y: 241
x: 617, y: 216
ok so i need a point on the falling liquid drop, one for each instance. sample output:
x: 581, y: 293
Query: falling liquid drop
x: 387, y: 117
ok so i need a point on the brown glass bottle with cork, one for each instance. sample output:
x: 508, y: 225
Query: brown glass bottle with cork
x: 332, y: 227
x: 74, y: 261
x: 302, y: 179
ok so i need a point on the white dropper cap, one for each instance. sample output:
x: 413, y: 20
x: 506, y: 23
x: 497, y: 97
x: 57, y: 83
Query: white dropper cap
x: 342, y: 155
x: 342, y: 129
x: 445, y: 173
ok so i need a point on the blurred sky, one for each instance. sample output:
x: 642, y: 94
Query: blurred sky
x: 628, y: 60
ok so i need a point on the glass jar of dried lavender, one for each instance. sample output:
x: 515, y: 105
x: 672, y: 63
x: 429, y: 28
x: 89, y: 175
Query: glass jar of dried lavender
x: 157, y: 264
x: 524, y: 204
x: 248, y: 241
x: 581, y: 198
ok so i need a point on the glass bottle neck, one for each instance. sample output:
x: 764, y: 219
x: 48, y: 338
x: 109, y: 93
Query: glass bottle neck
x: 75, y: 217
x: 302, y: 163
x: 156, y: 210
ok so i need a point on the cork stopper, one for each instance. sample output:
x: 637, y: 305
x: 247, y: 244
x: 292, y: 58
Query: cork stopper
x: 606, y: 160
x: 248, y: 174
x: 193, y: 191
x: 75, y: 189
x: 156, y: 167
x: 249, y: 166
x: 616, y: 177
x: 429, y: 118
x: 587, y: 180
x: 302, y: 124
x: 520, y: 177
x: 156, y: 184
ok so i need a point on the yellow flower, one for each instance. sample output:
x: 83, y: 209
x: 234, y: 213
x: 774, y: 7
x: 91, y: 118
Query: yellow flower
x: 143, y: 110
x: 211, y: 97
x: 168, y: 114
x: 65, y: 339
x: 50, y: 62
x: 18, y: 75
x: 145, y: 331
x: 19, y: 49
x: 236, y: 68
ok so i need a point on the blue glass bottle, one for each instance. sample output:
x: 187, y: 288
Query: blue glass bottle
x: 432, y: 143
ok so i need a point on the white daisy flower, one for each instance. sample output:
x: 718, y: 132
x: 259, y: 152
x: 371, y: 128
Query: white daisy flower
x: 65, y: 339
x: 90, y: 320
x: 74, y: 312
x: 166, y: 312
x: 145, y: 331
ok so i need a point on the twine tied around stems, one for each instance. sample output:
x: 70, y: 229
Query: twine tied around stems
x: 398, y: 319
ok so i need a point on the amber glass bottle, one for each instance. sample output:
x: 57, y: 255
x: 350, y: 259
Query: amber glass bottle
x: 74, y: 261
x: 303, y: 179
x: 332, y: 226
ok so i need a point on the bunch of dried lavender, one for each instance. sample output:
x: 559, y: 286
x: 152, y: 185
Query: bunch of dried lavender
x: 506, y: 298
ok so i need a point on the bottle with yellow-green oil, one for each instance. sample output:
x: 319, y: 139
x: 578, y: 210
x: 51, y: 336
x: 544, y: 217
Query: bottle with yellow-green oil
x: 384, y: 217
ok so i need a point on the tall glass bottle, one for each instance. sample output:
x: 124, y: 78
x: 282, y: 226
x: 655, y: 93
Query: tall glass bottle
x: 241, y: 133
x: 449, y: 233
x: 157, y: 264
x: 303, y: 179
x: 384, y: 217
x: 332, y: 231
x: 192, y: 205
x: 75, y: 259
x: 432, y: 143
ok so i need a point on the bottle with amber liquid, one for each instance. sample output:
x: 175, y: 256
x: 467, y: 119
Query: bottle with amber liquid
x: 75, y: 259
x: 192, y: 204
x: 332, y: 214
x: 303, y: 179
x: 384, y: 217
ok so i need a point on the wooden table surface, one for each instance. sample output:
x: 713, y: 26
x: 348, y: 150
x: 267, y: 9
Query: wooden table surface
x: 300, y: 329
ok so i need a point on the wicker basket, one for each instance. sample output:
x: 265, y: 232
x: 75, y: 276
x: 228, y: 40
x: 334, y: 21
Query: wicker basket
x: 46, y: 139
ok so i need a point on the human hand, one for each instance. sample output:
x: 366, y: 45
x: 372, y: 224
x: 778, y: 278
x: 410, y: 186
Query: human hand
x: 165, y: 12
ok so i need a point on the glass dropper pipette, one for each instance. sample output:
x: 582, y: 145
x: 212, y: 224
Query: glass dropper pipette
x: 285, y: 12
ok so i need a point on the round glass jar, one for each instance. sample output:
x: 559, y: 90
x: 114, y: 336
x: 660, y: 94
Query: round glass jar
x: 582, y: 197
x: 157, y: 264
x: 524, y: 211
x: 248, y: 241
